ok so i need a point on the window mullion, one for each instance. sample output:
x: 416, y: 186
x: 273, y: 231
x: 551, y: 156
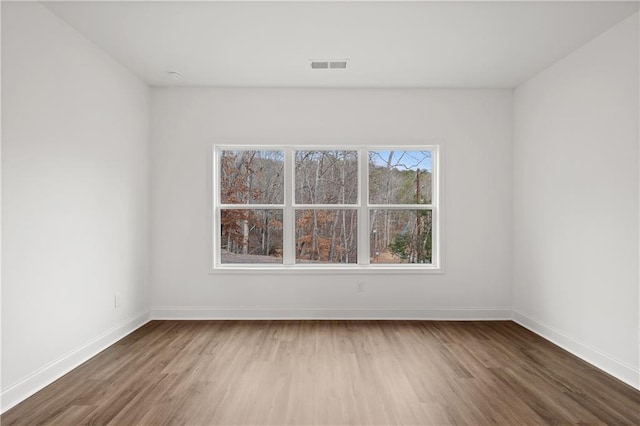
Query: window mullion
x: 288, y: 214
x: 435, y: 203
x: 363, y: 213
x: 401, y: 206
x: 215, y: 252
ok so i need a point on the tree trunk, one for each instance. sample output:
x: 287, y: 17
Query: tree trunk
x: 387, y: 219
x: 332, y: 247
x: 314, y: 234
x: 245, y: 236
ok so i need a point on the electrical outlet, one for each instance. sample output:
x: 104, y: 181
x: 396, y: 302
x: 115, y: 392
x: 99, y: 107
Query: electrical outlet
x: 116, y: 300
x: 360, y: 287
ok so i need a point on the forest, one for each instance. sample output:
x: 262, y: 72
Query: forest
x: 326, y: 186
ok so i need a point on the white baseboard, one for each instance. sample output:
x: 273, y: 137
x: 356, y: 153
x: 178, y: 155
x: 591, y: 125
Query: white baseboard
x: 46, y: 375
x: 253, y: 313
x: 605, y: 362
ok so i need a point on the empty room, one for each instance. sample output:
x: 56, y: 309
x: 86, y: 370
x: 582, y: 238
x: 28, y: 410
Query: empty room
x: 320, y: 213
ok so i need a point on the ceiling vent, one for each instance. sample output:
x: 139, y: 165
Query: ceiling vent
x: 336, y: 64
x: 319, y: 65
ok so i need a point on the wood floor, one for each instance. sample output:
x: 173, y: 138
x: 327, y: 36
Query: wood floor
x: 332, y: 373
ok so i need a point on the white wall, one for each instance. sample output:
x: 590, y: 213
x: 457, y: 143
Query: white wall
x: 475, y: 126
x: 576, y: 202
x: 75, y: 199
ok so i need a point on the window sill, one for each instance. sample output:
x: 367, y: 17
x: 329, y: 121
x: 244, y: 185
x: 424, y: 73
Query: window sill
x: 326, y: 270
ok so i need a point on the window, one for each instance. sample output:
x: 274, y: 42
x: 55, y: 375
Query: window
x: 326, y: 207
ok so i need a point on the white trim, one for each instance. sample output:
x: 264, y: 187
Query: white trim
x: 346, y: 313
x: 326, y: 269
x: 401, y: 206
x: 621, y: 370
x: 214, y: 213
x: 364, y: 221
x: 363, y: 206
x: 288, y: 214
x: 44, y: 376
x: 1, y: 133
x: 437, y: 204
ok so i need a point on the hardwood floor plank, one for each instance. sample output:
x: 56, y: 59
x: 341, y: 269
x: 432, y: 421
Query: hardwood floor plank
x: 332, y: 373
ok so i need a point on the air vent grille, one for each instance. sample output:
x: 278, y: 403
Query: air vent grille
x: 325, y: 64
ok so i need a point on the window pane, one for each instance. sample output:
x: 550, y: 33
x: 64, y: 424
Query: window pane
x: 327, y: 236
x: 400, y: 177
x: 326, y: 177
x: 251, y: 177
x: 400, y: 236
x: 251, y: 236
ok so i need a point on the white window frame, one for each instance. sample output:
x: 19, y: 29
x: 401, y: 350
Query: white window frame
x: 363, y: 206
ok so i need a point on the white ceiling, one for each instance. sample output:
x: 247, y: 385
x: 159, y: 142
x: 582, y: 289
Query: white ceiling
x: 388, y: 44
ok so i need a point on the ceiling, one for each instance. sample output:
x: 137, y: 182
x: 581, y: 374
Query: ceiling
x: 387, y: 44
